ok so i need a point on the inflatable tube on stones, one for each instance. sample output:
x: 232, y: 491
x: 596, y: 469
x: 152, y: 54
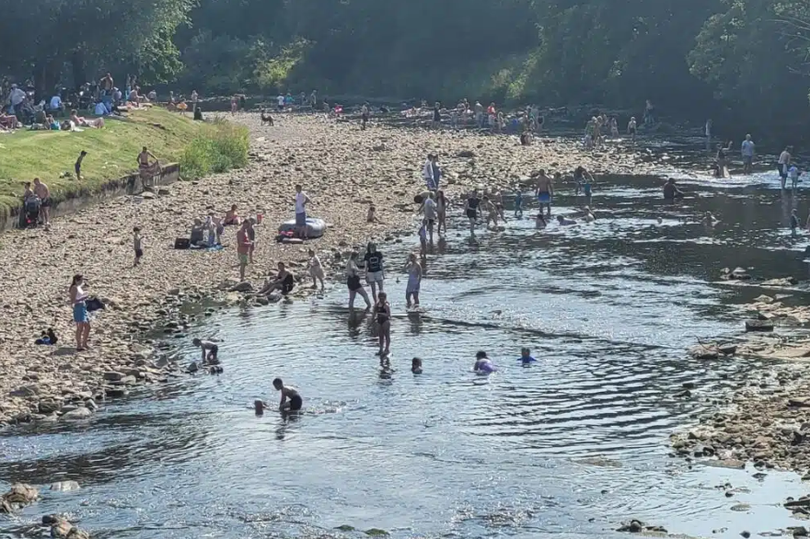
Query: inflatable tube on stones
x: 315, y: 227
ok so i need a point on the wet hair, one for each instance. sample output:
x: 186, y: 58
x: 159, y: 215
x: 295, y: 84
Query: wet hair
x: 525, y: 350
x: 416, y: 363
x: 382, y: 296
x: 481, y: 355
x: 560, y: 218
x: 278, y: 384
x: 196, y: 342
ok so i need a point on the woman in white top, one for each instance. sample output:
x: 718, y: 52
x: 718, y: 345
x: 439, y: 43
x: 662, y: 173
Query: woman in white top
x: 354, y: 283
x: 78, y: 299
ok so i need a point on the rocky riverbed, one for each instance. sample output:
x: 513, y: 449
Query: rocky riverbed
x: 342, y: 168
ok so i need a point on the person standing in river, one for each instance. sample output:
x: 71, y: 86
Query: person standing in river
x: 373, y: 260
x: 784, y: 164
x: 414, y: 270
x: 748, y: 150
x: 429, y: 210
x: 722, y: 163
x: 353, y: 282
x: 78, y: 299
x: 471, y: 209
x: 544, y: 191
x: 382, y: 315
x: 441, y: 212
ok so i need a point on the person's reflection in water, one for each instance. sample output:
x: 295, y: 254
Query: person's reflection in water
x: 415, y: 321
x: 423, y: 263
x: 442, y: 245
x: 355, y: 319
x: 287, y: 419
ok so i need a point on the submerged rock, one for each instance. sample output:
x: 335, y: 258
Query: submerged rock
x: 758, y: 325
x: 19, y: 496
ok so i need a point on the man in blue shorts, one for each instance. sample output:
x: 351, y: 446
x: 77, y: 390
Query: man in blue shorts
x: 301, y: 201
x: 545, y: 191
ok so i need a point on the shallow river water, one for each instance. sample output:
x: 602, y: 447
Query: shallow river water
x: 565, y: 449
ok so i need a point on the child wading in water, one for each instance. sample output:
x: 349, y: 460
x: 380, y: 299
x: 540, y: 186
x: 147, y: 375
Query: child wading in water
x: 291, y: 400
x: 315, y: 269
x: 416, y: 365
x: 209, y: 351
x: 137, y: 242
x: 382, y: 312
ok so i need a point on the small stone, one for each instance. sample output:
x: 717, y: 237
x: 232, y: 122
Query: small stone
x: 78, y: 414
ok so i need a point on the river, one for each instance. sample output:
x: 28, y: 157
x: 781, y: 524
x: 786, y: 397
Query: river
x: 565, y: 449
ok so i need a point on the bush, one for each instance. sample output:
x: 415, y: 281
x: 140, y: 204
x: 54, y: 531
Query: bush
x: 218, y: 147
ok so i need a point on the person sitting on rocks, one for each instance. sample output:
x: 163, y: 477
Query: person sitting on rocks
x: 209, y: 351
x: 284, y: 282
x: 47, y: 338
x: 231, y: 218
x: 197, y: 238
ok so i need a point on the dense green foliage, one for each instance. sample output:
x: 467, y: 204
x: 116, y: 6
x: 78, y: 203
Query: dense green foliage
x: 218, y: 147
x: 732, y: 58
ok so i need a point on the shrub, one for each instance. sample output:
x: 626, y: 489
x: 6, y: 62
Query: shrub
x: 218, y: 147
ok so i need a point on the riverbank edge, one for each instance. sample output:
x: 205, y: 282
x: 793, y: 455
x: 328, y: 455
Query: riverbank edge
x: 76, y: 200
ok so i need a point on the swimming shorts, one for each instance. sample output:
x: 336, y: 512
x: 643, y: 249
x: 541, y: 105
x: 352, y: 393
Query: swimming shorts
x: 354, y: 283
x: 544, y: 197
x: 296, y: 402
x: 301, y: 219
x: 374, y: 277
x: 80, y: 313
x: 244, y: 258
x: 471, y: 214
x: 214, y: 350
x: 46, y: 203
x: 138, y: 253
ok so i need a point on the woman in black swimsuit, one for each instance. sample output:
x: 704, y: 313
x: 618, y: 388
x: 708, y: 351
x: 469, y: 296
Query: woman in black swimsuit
x: 382, y: 310
x: 471, y: 210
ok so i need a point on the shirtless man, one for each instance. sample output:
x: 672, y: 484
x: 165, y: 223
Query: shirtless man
x: 145, y: 168
x: 44, y: 195
x: 545, y: 190
x: 295, y: 401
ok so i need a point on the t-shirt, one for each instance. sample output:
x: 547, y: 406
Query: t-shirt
x: 16, y: 97
x: 374, y: 262
x: 748, y: 148
x: 280, y: 100
x: 427, y: 170
x: 430, y: 209
x: 526, y: 360
x: 793, y: 172
x: 300, y: 199
x: 100, y: 109
x: 56, y: 102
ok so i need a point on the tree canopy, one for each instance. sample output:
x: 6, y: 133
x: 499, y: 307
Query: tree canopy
x: 692, y: 57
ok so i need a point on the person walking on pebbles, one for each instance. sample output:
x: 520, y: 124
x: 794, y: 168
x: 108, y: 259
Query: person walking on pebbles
x: 78, y: 299
x: 243, y: 244
x: 301, y: 201
x: 137, y: 243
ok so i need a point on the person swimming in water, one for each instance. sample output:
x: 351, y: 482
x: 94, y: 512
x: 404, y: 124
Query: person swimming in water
x: 526, y: 358
x: 291, y: 400
x: 565, y: 222
x: 416, y: 365
x: 483, y: 365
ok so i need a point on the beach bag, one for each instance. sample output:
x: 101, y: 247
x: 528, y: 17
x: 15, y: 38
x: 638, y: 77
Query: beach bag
x: 182, y: 243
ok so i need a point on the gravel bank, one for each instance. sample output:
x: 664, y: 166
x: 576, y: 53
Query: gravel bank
x: 342, y: 168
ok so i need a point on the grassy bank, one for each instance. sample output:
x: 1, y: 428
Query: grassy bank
x: 111, y: 151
